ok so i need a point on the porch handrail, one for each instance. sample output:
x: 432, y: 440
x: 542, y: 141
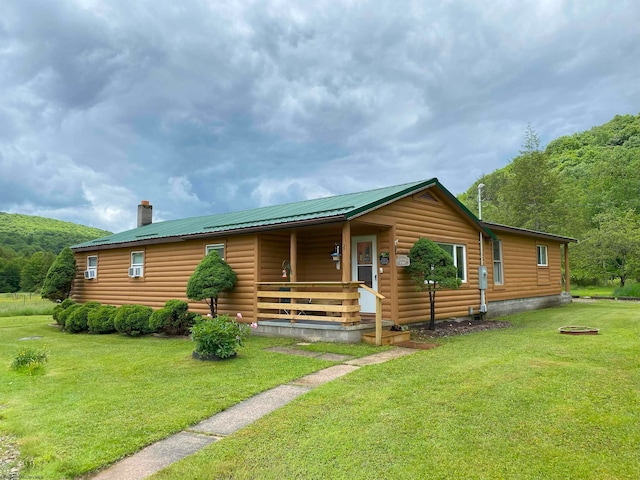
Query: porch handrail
x: 325, y: 301
x: 379, y: 299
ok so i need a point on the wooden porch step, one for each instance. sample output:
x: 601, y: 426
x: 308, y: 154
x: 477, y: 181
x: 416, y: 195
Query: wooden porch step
x: 388, y: 337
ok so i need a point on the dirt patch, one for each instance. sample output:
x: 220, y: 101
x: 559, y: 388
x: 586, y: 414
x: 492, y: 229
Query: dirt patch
x: 416, y: 345
x: 449, y: 329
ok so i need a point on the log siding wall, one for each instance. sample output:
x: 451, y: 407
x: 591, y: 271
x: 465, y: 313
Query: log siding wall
x: 437, y: 219
x: 167, y: 268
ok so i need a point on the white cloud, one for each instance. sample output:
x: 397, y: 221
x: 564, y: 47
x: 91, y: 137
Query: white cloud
x: 215, y: 106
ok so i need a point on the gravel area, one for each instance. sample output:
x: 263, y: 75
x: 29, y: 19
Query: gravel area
x: 9, y: 464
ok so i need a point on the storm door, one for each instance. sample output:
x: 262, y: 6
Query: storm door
x: 364, y: 268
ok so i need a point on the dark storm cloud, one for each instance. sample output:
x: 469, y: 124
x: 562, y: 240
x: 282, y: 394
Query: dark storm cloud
x: 204, y: 106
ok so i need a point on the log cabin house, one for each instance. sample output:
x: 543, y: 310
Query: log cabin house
x: 320, y: 269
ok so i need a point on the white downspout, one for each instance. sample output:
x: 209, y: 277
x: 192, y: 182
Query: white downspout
x: 483, y: 305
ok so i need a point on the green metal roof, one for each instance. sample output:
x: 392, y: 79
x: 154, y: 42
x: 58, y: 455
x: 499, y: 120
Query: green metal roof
x: 337, y: 208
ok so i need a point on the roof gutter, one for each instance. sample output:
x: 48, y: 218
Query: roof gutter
x: 531, y: 233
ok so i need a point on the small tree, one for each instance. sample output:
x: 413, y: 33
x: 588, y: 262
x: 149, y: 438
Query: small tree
x: 212, y: 277
x: 57, y: 284
x: 431, y: 268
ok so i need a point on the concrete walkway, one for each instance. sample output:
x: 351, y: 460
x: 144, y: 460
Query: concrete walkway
x: 161, y: 454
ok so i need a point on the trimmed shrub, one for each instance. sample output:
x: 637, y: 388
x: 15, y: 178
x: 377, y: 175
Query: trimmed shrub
x: 133, y: 320
x: 60, y: 307
x: 77, y: 320
x: 158, y: 319
x: 173, y: 319
x: 63, y: 315
x: 100, y: 320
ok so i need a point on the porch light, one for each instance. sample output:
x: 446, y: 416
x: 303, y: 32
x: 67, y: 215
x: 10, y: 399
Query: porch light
x: 335, y: 256
x: 286, y: 269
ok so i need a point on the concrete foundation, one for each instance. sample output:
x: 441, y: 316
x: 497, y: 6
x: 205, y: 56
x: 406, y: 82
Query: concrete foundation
x: 508, y: 307
x: 316, y: 331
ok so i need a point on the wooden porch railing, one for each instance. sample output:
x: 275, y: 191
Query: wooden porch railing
x: 321, y: 301
x: 379, y: 299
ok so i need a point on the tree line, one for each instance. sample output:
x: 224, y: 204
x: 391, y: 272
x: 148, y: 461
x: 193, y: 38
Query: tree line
x: 585, y: 186
x: 29, y: 245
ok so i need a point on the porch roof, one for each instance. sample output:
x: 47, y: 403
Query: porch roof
x: 320, y: 210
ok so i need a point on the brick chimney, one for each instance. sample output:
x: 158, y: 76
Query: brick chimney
x: 144, y: 213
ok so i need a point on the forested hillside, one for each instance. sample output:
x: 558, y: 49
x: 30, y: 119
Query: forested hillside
x: 29, y: 244
x: 586, y: 185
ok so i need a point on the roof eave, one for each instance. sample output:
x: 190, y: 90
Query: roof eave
x: 221, y: 233
x: 531, y: 233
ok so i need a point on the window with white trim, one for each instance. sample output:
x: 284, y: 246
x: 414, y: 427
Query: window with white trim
x: 218, y: 247
x: 458, y: 253
x: 497, y: 263
x: 542, y: 255
x: 137, y: 264
x: 92, y: 267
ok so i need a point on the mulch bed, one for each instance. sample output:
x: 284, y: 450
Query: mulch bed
x: 449, y: 329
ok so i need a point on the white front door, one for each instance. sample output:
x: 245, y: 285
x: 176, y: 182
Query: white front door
x: 364, y: 268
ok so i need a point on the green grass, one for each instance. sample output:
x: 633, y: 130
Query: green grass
x: 520, y: 403
x: 631, y: 289
x: 593, y: 291
x: 99, y: 398
x: 16, y: 304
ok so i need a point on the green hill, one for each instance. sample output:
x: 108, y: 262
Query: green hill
x: 585, y: 185
x: 28, y: 245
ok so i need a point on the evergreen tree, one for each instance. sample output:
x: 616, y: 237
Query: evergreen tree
x: 57, y: 284
x: 431, y: 269
x: 211, y: 277
x: 531, y: 192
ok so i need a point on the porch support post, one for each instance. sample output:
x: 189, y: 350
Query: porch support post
x: 293, y: 256
x: 567, y: 283
x: 346, y: 252
x: 293, y: 274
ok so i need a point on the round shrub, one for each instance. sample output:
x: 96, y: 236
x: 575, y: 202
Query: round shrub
x: 59, y: 308
x: 77, y: 320
x: 100, y: 320
x: 218, y: 337
x: 158, y: 320
x: 63, y: 315
x: 133, y: 320
x: 173, y: 319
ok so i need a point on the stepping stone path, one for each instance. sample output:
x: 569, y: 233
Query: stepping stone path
x: 161, y: 454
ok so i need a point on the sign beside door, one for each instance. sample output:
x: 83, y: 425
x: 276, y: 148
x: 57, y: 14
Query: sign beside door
x: 364, y: 268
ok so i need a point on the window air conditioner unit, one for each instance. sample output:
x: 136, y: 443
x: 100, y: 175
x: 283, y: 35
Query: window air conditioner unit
x: 135, y: 271
x: 89, y: 274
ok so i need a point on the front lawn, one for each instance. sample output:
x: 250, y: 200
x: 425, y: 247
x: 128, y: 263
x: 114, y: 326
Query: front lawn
x: 521, y: 403
x: 103, y: 397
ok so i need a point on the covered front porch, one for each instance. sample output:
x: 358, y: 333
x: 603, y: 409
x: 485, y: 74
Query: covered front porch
x: 324, y: 282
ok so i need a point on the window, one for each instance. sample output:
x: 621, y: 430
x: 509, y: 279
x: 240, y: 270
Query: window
x: 137, y: 264
x: 218, y: 247
x: 457, y: 252
x: 92, y: 267
x: 542, y: 255
x: 497, y: 262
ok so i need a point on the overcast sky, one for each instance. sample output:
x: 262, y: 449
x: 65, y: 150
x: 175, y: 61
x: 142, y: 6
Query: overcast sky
x: 211, y: 106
